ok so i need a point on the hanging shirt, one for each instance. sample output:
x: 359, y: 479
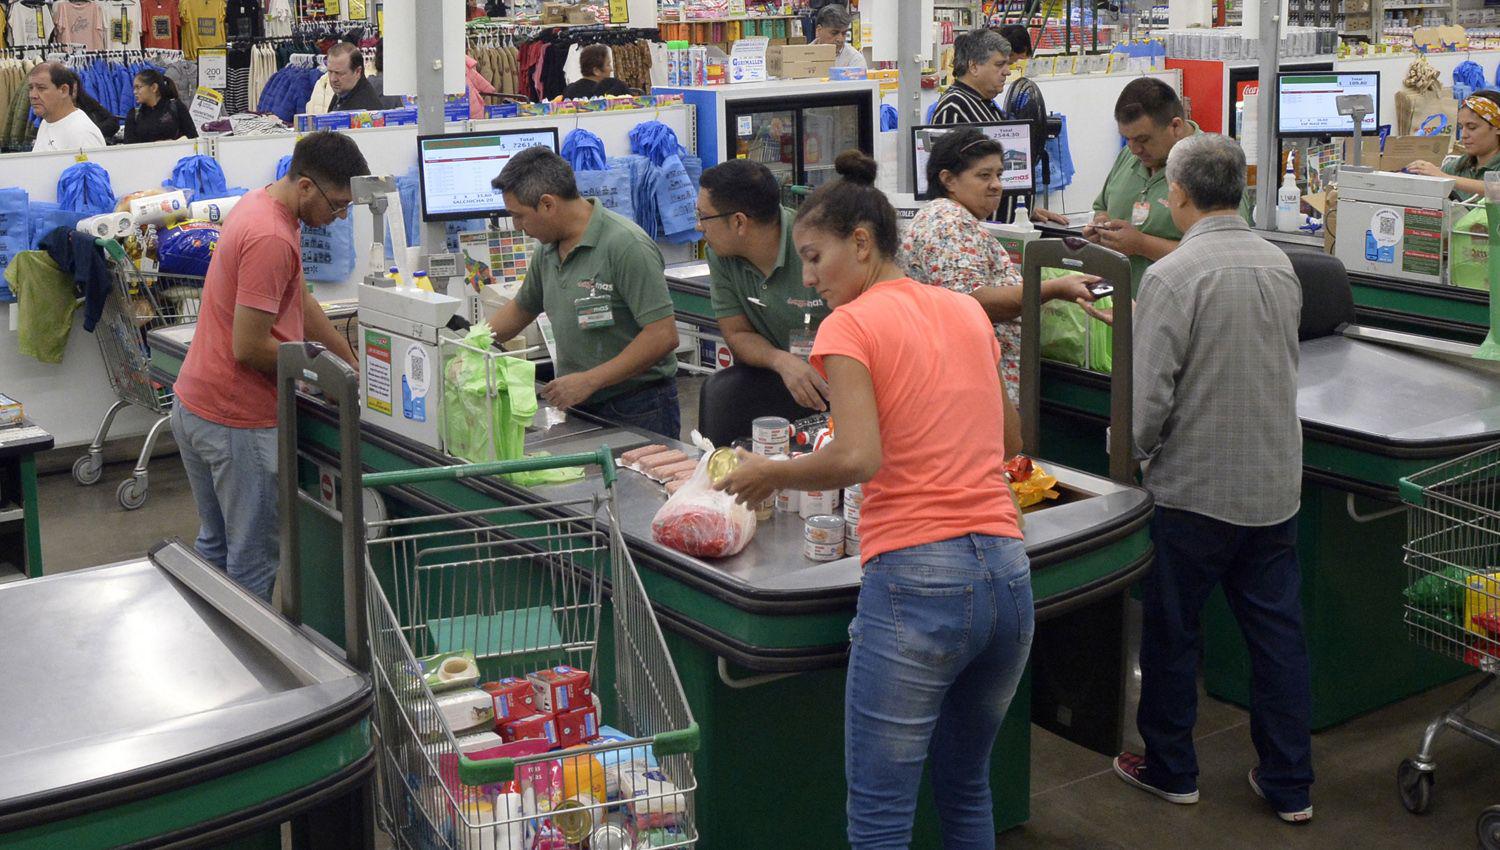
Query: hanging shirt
x: 79, y: 23
x: 160, y: 25
x: 75, y: 132
x: 243, y: 20
x: 202, y: 25
x: 30, y: 23
x: 122, y: 24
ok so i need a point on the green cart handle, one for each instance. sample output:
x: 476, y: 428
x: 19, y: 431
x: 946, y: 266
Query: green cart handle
x: 600, y: 456
x: 490, y: 771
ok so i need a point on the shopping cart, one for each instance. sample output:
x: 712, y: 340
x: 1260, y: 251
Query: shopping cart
x: 1453, y: 601
x: 525, y: 590
x: 792, y: 195
x: 139, y: 302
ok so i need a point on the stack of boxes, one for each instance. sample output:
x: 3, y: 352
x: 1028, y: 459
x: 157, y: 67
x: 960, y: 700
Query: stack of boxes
x: 555, y: 704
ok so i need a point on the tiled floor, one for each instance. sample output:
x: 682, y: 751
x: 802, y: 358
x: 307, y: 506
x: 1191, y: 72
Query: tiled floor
x: 1076, y: 801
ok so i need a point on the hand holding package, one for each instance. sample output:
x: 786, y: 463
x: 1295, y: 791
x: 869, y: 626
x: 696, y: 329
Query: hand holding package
x: 699, y: 520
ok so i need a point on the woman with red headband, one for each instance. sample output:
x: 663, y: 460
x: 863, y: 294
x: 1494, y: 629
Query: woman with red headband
x: 1479, y: 134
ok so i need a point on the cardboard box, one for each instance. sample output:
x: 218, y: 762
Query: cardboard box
x: 577, y: 726
x: 554, y: 13
x: 540, y: 726
x: 514, y: 698
x: 560, y: 688
x: 1400, y: 151
x: 800, y: 61
x: 581, y: 15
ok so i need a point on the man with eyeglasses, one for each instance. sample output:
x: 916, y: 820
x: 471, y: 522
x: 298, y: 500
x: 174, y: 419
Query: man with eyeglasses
x: 254, y: 299
x: 766, y: 313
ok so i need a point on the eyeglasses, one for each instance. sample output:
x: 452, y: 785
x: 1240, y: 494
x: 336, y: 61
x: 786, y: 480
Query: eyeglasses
x: 703, y: 218
x: 336, y: 210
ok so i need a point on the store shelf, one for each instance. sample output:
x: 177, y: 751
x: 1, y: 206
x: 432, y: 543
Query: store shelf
x: 725, y: 19
x: 1403, y: 6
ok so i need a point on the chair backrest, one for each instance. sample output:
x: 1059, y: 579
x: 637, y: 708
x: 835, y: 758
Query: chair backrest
x: 732, y: 398
x: 1327, y: 301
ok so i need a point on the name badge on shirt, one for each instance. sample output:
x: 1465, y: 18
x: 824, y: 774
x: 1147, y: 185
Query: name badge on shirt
x: 1140, y: 212
x: 594, y: 311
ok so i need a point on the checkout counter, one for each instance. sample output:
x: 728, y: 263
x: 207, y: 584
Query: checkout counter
x: 177, y: 710
x: 1375, y: 405
x: 760, y: 639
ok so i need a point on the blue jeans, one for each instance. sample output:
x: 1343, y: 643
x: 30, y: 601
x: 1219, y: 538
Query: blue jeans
x: 937, y: 647
x: 232, y: 472
x: 652, y: 408
x: 1262, y: 580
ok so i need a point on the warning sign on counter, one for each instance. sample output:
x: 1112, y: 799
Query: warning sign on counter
x: 378, y: 372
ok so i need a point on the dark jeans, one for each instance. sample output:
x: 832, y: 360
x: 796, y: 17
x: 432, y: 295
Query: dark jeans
x: 652, y: 407
x: 1258, y: 569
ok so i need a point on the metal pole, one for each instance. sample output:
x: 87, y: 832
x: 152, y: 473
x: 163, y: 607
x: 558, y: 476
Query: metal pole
x: 430, y: 120
x: 1266, y: 172
x: 909, y: 52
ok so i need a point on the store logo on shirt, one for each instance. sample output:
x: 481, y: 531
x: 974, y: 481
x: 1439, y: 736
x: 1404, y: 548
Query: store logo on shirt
x: 805, y: 303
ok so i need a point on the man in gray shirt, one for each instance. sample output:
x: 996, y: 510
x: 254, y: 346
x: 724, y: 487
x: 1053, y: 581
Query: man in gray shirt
x: 1217, y: 431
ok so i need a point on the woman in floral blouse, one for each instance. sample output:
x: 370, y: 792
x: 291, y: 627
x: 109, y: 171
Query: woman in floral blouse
x: 947, y: 246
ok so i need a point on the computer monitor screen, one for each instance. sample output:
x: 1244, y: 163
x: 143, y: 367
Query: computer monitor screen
x: 1014, y: 138
x: 1307, y: 102
x: 456, y: 170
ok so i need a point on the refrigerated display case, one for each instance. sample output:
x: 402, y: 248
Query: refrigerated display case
x: 795, y: 127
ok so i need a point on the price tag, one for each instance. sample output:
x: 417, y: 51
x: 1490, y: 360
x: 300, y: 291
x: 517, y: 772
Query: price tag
x: 207, y: 105
x: 213, y: 69
x: 619, y: 11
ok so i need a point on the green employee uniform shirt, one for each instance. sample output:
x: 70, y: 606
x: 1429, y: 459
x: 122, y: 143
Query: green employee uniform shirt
x: 783, y: 300
x: 614, y: 264
x: 1468, y: 168
x: 1129, y: 183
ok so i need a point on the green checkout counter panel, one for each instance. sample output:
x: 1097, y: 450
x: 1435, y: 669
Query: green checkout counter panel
x: 153, y: 702
x: 1373, y: 408
x: 760, y: 639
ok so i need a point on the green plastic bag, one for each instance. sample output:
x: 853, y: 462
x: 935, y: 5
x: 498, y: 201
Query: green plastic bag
x: 1439, y: 594
x: 1469, y: 251
x: 1069, y: 335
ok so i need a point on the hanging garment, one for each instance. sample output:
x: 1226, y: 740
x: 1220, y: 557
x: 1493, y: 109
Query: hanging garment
x: 237, y: 79
x: 161, y: 25
x: 77, y: 255
x: 202, y: 25
x: 45, y: 303
x: 122, y: 24
x: 79, y: 22
x: 184, y: 74
x: 243, y: 20
x: 321, y: 95
x: 30, y: 23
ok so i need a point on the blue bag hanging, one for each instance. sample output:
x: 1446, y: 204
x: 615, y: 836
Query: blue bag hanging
x: 677, y: 202
x: 15, y: 233
x: 636, y: 166
x: 201, y: 177
x: 47, y: 217
x: 1468, y: 78
x: 327, y: 252
x: 584, y: 151
x: 889, y: 117
x: 611, y: 186
x: 84, y: 187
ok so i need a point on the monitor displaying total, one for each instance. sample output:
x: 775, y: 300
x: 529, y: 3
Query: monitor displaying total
x: 1307, y: 102
x: 456, y: 170
x: 1014, y: 138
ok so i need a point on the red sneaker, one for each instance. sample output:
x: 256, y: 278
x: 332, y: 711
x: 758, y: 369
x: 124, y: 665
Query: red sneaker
x: 1132, y: 768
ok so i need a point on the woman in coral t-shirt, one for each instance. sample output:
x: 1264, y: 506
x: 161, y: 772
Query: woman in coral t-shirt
x: 944, y: 621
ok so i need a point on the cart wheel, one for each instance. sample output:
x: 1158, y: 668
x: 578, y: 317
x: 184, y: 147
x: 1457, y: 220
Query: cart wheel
x: 86, y: 470
x: 130, y: 494
x: 1415, y: 785
x: 1489, y: 828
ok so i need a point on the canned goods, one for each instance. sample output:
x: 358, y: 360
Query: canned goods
x: 823, y: 551
x: 610, y: 837
x: 788, y: 501
x: 851, y: 529
x: 854, y: 496
x: 771, y: 431
x: 818, y: 502
x: 824, y: 529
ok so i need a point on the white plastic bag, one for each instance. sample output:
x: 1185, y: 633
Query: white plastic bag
x: 699, y: 520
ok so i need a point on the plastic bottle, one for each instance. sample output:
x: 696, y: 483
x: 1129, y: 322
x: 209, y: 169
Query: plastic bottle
x: 1022, y: 218
x: 420, y: 281
x: 393, y: 275
x: 1288, y: 200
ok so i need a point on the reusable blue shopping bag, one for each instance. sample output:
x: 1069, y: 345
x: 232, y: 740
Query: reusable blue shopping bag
x: 327, y: 252
x: 15, y: 233
x: 595, y: 177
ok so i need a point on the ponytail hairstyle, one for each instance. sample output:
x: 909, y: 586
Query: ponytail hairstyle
x: 165, y: 88
x: 853, y: 201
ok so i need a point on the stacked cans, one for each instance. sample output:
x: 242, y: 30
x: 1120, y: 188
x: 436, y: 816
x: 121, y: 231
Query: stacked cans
x: 772, y: 437
x: 854, y: 500
x: 824, y: 536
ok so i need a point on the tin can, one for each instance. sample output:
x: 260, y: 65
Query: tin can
x: 610, y: 837
x: 823, y: 551
x: 789, y: 501
x: 771, y: 431
x: 818, y: 502
x: 854, y: 496
x: 824, y: 529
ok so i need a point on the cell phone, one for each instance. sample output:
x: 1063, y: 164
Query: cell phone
x: 1101, y: 289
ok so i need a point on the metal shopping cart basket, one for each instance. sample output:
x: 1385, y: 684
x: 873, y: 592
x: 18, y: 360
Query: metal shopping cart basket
x: 139, y: 302
x: 525, y: 589
x: 1452, y: 600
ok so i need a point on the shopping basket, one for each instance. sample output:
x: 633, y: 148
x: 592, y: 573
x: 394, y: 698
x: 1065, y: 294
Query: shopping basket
x: 1452, y: 603
x: 525, y: 589
x: 138, y: 302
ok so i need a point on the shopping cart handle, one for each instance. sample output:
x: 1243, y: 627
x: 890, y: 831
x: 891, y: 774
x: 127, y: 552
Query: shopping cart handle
x: 678, y: 741
x: 602, y: 457
x: 477, y: 772
x: 1411, y: 492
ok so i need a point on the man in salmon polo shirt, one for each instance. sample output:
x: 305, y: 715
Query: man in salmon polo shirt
x: 254, y: 299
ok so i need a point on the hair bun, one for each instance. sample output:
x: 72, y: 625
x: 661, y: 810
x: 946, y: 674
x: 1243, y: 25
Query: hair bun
x: 856, y: 166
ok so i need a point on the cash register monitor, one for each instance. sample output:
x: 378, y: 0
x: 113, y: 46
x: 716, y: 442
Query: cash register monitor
x: 1014, y: 138
x: 455, y: 170
x: 1307, y: 102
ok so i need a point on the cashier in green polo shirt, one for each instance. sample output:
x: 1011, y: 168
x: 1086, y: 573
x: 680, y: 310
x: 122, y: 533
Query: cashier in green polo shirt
x: 1479, y: 134
x: 1130, y: 214
x: 599, y: 278
x: 767, y: 315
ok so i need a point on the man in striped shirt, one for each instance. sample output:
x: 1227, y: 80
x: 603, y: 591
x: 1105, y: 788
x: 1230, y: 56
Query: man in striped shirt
x: 981, y: 62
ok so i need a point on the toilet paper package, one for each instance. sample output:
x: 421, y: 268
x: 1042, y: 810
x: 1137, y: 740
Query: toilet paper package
x: 448, y: 671
x: 466, y: 709
x: 107, y: 226
x: 213, y: 209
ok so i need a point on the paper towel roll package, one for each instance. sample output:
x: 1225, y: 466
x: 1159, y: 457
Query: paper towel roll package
x: 107, y: 225
x: 160, y: 209
x: 213, y: 209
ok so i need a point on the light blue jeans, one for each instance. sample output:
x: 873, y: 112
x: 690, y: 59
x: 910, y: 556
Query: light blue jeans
x: 937, y: 647
x: 233, y: 475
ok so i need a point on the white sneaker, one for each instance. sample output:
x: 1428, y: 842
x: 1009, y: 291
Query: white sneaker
x: 1299, y: 816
